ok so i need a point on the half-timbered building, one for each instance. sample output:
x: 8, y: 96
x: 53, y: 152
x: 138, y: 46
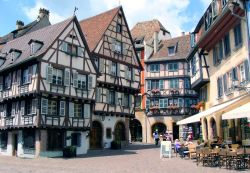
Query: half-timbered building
x: 47, y: 84
x: 219, y: 66
x: 113, y: 53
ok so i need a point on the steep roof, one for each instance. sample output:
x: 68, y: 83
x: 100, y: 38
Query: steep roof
x: 182, y: 48
x: 94, y: 27
x: 45, y: 35
x: 33, y: 26
x: 146, y: 29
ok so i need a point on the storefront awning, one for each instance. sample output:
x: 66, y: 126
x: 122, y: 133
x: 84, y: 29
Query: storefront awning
x: 197, y: 117
x: 240, y: 112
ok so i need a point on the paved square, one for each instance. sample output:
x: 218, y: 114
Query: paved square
x: 139, y: 158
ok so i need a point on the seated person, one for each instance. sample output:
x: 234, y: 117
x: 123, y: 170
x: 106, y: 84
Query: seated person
x: 182, y: 151
x: 177, y: 145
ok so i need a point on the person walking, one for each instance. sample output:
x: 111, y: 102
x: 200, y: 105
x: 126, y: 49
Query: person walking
x: 156, y: 137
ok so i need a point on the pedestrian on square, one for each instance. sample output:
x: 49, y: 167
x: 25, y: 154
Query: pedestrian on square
x: 156, y: 137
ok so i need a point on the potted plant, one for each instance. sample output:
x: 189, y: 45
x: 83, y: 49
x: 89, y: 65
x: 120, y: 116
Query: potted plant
x: 116, y: 145
x: 69, y: 151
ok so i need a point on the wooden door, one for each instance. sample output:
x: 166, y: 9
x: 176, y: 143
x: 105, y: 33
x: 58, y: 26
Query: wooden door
x: 96, y: 135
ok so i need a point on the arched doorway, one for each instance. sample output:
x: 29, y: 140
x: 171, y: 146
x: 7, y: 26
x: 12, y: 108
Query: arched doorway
x: 213, y: 129
x: 120, y: 132
x: 160, y: 127
x: 135, y: 130
x: 205, y: 133
x: 96, y: 135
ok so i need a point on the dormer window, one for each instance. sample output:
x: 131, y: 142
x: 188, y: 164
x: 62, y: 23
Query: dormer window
x: 171, y: 50
x: 35, y: 45
x: 14, y: 54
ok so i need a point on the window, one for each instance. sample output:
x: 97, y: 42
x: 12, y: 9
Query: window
x: 208, y: 19
x: 34, y: 47
x: 129, y: 73
x: 155, y: 84
x: 108, y: 133
x: 192, y: 39
x: 187, y: 83
x: 14, y: 54
x: 214, y: 8
x: 227, y: 49
x: 7, y: 81
x: 119, y: 28
x: 203, y: 93
x: 219, y: 87
x: 171, y: 50
x: 235, y: 74
x: 77, y: 110
x: 27, y: 73
x: 138, y: 100
x: 126, y: 100
x: 174, y: 83
x: 225, y: 82
x: 82, y: 81
x: 112, y: 97
x: 242, y: 73
x: 154, y: 67
x: 173, y: 66
x: 28, y: 105
x: 114, y: 68
x: 237, y: 36
x: 149, y: 85
x: 193, y: 65
x: 87, y: 111
x: 76, y: 139
x: 29, y: 139
x: 173, y: 101
x: 218, y: 53
x: 118, y: 46
x: 52, y: 107
x: 57, y: 76
x: 71, y: 49
x: 163, y: 103
x: 161, y: 84
x: 62, y: 108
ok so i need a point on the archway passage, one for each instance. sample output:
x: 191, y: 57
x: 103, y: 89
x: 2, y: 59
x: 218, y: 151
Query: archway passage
x: 96, y: 135
x: 120, y: 132
x: 175, y: 131
x: 160, y: 127
x: 213, y: 128
x: 135, y: 130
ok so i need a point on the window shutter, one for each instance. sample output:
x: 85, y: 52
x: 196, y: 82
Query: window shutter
x: 116, y: 98
x: 13, y: 108
x: 109, y: 64
x: 34, y: 106
x: 75, y: 79
x: 165, y: 103
x: 133, y: 74
x: 49, y: 74
x: 44, y: 106
x: 161, y: 101
x: 161, y: 84
x: 1, y: 83
x: 180, y: 102
x: 101, y: 65
x: 30, y: 69
x: 4, y: 110
x: 98, y: 94
x: 90, y: 82
x: 107, y: 96
x: 121, y: 103
x: 147, y: 103
x: 113, y: 42
x: 246, y: 64
x: 62, y: 108
x: 87, y: 111
x: 22, y: 107
x: 125, y: 49
x: 66, y: 77
x: 129, y: 100
x: 148, y: 85
x: 118, y: 69
x: 225, y: 82
x: 71, y: 109
x: 18, y: 77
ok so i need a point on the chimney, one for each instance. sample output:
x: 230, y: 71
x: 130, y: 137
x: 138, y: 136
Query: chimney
x: 156, y: 40
x: 182, y: 33
x: 19, y: 24
x: 43, y: 12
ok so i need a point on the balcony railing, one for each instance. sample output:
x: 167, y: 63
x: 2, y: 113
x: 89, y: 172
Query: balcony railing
x: 28, y: 119
x: 23, y: 89
x: 171, y: 110
x: 9, y: 121
x: 172, y: 92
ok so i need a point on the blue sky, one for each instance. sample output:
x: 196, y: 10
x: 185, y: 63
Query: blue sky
x: 175, y: 15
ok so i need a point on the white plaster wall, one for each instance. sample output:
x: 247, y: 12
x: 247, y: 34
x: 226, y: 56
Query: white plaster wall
x: 84, y: 142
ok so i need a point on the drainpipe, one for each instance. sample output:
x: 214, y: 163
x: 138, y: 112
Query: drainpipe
x: 247, y: 6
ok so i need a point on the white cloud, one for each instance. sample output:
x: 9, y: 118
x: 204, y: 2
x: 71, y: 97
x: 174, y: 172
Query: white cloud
x: 32, y: 13
x: 171, y: 13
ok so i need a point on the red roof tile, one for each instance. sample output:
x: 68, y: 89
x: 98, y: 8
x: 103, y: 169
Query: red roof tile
x: 182, y: 49
x: 94, y: 27
x: 146, y: 29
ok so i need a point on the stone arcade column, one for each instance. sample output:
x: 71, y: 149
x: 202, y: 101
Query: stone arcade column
x: 10, y: 145
x: 37, y: 142
x: 20, y: 143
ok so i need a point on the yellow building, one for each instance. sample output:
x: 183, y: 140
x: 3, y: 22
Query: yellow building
x: 220, y: 71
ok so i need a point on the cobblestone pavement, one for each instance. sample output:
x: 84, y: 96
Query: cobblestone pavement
x: 139, y: 158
